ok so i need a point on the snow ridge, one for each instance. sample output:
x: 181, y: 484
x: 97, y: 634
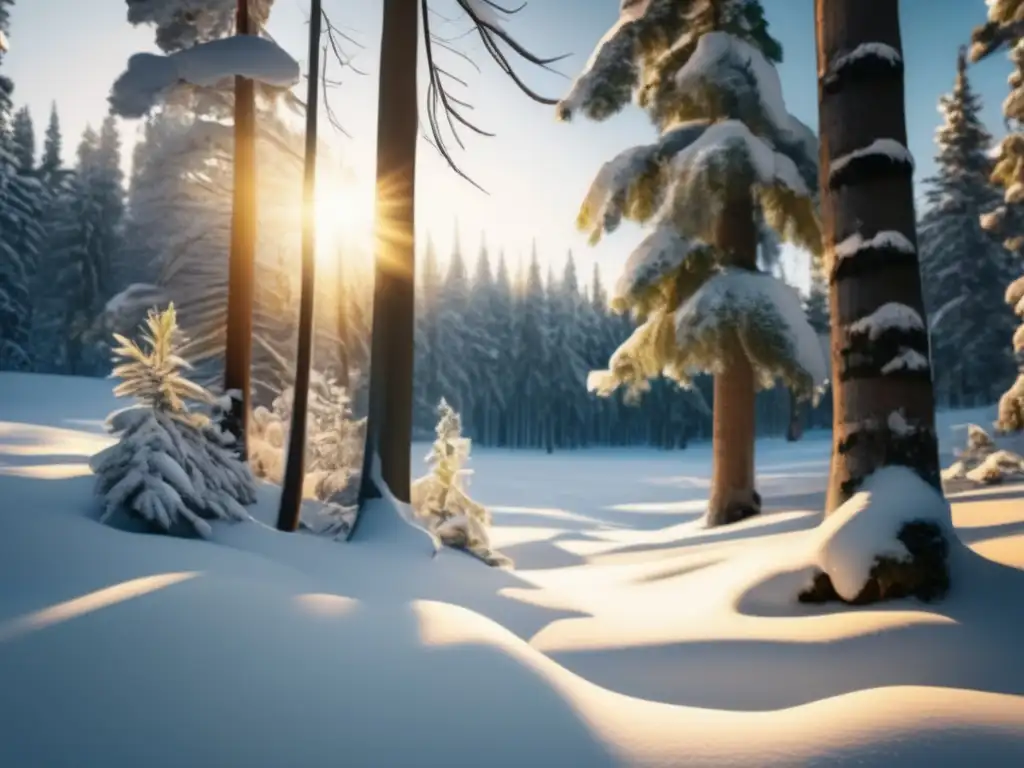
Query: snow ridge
x: 888, y: 317
x: 887, y: 148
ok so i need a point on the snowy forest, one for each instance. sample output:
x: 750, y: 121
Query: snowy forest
x: 284, y: 471
x: 504, y: 340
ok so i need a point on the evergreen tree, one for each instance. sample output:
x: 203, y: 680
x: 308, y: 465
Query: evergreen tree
x: 964, y: 269
x: 23, y: 141
x: 21, y: 200
x: 532, y: 356
x: 503, y: 334
x: 703, y: 70
x: 1007, y: 220
x: 51, y: 162
x: 452, y: 335
x: 426, y: 375
x: 566, y: 396
x: 484, y: 372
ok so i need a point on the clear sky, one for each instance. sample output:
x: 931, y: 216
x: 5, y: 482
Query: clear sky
x: 536, y: 170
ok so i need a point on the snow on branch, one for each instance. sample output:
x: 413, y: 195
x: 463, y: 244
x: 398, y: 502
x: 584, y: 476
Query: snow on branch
x: 880, y: 156
x: 865, y: 59
x: 769, y: 319
x: 731, y: 78
x: 726, y: 160
x: 906, y: 360
x: 610, y: 74
x: 631, y: 175
x: 658, y: 256
x: 150, y: 77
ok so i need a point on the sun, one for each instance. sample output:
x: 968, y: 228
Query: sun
x: 344, y: 215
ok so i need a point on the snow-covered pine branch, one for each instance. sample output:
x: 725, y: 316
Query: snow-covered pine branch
x: 864, y: 61
x: 631, y: 185
x: 856, y: 253
x: 881, y: 156
x: 171, y: 467
x: 769, y: 319
x: 611, y: 74
x: 658, y: 258
x: 149, y: 77
x: 698, y: 189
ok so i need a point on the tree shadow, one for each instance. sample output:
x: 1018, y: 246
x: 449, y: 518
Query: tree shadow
x: 969, y: 641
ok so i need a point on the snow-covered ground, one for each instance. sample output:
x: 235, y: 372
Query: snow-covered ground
x: 626, y: 635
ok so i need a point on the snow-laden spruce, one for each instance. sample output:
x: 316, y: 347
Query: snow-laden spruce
x: 172, y: 467
x: 440, y: 499
x: 730, y: 173
x: 150, y: 77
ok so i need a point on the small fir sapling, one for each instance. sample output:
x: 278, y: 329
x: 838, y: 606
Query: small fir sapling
x: 172, y: 467
x: 982, y: 462
x: 440, y: 499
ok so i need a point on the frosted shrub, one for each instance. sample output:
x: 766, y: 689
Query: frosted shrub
x: 172, y: 467
x: 982, y: 462
x: 334, y: 441
x: 440, y: 499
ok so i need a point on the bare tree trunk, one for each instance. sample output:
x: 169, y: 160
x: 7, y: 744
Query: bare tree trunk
x: 882, y: 416
x: 389, y: 427
x: 294, y: 474
x: 733, y: 497
x: 242, y: 263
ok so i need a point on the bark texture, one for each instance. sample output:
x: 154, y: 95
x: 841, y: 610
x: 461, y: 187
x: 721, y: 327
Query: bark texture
x: 880, y: 417
x: 389, y: 425
x: 242, y: 259
x: 733, y: 497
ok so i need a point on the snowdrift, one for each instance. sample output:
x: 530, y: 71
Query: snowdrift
x: 630, y: 636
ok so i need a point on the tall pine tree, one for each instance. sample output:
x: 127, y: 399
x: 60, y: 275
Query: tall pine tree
x: 964, y: 268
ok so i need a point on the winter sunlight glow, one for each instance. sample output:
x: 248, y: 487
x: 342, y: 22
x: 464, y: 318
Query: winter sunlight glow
x: 344, y: 217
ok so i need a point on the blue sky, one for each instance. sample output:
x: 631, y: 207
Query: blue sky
x: 535, y: 169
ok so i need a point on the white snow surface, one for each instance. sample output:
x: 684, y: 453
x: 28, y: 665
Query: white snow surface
x: 887, y: 317
x: 885, y: 147
x: 150, y: 76
x: 629, y: 636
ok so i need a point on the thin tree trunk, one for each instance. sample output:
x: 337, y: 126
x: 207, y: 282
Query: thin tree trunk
x: 389, y: 428
x: 733, y: 497
x: 881, y: 417
x: 294, y: 474
x: 242, y: 263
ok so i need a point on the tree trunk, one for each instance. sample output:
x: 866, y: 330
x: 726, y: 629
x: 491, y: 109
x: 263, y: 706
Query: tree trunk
x: 294, y: 474
x: 733, y: 497
x: 242, y: 262
x: 389, y: 427
x: 795, y: 429
x: 880, y: 418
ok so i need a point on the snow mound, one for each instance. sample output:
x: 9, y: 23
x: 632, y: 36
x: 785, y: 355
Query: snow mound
x: 868, y: 527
